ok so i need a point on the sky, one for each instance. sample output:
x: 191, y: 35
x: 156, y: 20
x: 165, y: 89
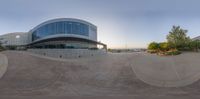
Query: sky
x: 121, y: 23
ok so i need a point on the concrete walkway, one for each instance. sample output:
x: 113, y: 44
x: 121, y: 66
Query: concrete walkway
x: 116, y: 75
x: 3, y: 64
x: 167, y: 71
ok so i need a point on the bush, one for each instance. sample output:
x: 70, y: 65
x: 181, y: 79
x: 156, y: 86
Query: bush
x: 109, y: 50
x: 164, y: 46
x: 173, y: 52
x: 152, y: 51
x: 2, y: 48
x: 177, y: 40
x: 162, y: 49
x: 153, y: 46
x: 158, y: 47
x: 194, y: 45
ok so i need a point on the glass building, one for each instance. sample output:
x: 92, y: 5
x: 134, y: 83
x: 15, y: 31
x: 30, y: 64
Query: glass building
x: 64, y: 33
x: 59, y: 33
x: 62, y: 27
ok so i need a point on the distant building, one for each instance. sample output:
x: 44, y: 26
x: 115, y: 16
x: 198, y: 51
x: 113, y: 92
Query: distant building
x: 18, y: 39
x: 196, y: 38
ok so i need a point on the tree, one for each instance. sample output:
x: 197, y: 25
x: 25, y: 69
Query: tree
x: 178, y: 38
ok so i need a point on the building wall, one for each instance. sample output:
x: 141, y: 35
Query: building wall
x: 14, y: 39
x: 65, y: 44
x: 67, y: 53
x: 93, y: 33
x: 54, y: 29
x: 196, y: 38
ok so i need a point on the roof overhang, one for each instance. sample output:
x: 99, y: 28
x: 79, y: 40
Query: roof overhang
x: 66, y: 39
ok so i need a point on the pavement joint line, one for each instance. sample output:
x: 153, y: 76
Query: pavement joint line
x: 136, y: 72
x: 172, y: 65
x: 164, y: 83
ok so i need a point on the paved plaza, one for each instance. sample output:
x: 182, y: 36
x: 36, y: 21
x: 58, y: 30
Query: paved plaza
x: 138, y: 75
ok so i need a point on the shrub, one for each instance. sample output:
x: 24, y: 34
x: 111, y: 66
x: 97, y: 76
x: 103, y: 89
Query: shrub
x: 152, y: 51
x: 173, y: 52
x: 164, y: 46
x: 1, y: 48
x: 194, y: 45
x: 158, y: 47
x: 153, y: 46
x: 109, y: 50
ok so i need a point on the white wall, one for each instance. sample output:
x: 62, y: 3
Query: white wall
x: 14, y: 39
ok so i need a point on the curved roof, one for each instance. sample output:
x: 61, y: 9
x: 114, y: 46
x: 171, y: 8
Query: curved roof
x: 61, y: 19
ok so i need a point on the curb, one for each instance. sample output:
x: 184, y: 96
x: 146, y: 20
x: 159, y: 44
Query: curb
x: 3, y: 64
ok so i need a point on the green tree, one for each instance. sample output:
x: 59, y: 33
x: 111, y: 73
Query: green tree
x: 178, y: 38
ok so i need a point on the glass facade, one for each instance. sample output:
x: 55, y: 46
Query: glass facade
x: 63, y: 27
x: 65, y: 45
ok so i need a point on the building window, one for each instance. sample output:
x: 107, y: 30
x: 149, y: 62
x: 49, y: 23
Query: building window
x: 63, y: 27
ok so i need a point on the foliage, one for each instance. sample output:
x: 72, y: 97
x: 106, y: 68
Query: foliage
x: 109, y: 50
x: 1, y: 47
x: 164, y: 46
x: 153, y: 46
x: 194, y: 45
x: 152, y: 51
x: 178, y: 38
x: 173, y: 52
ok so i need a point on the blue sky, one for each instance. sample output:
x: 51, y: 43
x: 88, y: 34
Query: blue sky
x: 121, y: 23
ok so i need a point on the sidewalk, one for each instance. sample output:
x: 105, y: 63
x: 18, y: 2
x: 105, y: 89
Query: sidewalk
x: 3, y: 64
x: 171, y: 71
